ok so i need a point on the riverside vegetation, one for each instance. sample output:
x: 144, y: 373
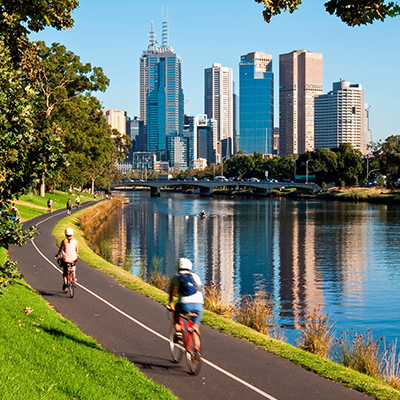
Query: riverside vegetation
x: 77, y: 348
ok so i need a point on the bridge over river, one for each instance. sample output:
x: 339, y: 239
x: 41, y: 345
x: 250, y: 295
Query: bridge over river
x: 206, y: 187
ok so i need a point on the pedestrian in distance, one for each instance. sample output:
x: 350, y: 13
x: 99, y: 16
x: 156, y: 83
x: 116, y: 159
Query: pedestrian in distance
x: 78, y: 201
x: 14, y: 212
x: 50, y: 205
x: 69, y: 207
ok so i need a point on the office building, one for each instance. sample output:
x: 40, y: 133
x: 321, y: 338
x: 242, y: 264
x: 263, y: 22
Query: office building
x: 117, y: 119
x: 218, y: 105
x: 161, y: 95
x: 206, y: 138
x: 300, y: 81
x: 341, y: 117
x: 256, y: 103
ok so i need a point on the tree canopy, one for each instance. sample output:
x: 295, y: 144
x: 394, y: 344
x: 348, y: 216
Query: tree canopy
x: 351, y: 12
x: 19, y: 18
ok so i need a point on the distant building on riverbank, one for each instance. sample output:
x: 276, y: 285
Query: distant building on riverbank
x: 342, y: 117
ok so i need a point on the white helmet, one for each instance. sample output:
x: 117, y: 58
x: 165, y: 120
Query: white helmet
x: 69, y: 232
x: 184, y: 263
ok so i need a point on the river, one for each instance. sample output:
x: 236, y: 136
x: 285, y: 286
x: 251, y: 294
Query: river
x: 342, y: 258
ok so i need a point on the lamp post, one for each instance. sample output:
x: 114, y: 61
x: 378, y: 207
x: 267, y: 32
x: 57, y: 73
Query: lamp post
x: 307, y: 169
x: 222, y: 165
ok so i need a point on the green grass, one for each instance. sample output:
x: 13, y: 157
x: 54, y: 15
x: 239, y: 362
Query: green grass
x: 44, y: 356
x: 321, y: 366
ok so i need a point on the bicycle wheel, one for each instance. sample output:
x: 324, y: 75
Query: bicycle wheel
x: 193, y: 361
x: 176, y: 349
x: 71, y: 287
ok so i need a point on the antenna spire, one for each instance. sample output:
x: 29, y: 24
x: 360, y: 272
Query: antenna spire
x: 152, y: 36
x: 165, y: 30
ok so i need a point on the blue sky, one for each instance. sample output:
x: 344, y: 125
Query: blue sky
x: 112, y: 35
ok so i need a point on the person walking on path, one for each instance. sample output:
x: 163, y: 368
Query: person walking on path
x: 14, y: 212
x: 69, y: 207
x: 50, y: 205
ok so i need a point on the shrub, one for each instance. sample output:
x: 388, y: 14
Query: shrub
x: 8, y: 273
x: 362, y: 352
x: 157, y: 278
x: 218, y: 301
x: 391, y: 371
x: 316, y: 335
x: 256, y: 312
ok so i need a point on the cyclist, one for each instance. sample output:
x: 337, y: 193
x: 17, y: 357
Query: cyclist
x: 189, y: 300
x: 69, y: 251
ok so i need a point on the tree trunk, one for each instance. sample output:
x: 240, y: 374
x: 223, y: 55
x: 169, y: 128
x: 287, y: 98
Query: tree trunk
x: 42, y: 187
x: 92, y: 185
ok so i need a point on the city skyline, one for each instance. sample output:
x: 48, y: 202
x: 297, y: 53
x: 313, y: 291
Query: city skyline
x: 114, y: 37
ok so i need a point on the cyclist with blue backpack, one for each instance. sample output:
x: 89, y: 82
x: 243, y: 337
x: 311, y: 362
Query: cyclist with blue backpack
x: 190, y: 298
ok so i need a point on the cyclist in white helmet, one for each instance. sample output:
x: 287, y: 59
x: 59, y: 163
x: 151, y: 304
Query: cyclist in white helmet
x: 190, y: 298
x: 69, y: 252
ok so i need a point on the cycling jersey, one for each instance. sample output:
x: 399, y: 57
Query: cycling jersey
x: 70, y: 250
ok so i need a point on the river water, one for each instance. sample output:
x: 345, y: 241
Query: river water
x: 342, y: 258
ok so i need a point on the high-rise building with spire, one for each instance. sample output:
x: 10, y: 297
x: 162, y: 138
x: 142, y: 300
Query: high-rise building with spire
x: 161, y: 95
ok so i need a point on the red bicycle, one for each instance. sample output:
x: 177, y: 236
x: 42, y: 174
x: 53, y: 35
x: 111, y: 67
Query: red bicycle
x: 70, y: 276
x: 71, y: 279
x: 186, y: 345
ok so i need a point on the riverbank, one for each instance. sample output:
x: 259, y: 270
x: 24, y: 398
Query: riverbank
x: 43, y: 355
x: 319, y: 365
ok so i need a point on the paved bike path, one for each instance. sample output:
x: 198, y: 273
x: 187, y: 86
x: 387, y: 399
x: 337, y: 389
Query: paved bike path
x: 127, y: 323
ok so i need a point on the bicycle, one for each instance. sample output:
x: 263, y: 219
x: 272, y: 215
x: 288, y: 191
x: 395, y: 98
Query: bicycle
x: 186, y: 346
x: 71, y: 279
x: 70, y: 276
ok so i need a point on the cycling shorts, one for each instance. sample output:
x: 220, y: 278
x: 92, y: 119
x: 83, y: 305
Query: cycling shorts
x: 183, y: 308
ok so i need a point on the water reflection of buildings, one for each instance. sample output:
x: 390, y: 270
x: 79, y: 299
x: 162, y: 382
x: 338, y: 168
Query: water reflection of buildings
x: 282, y: 247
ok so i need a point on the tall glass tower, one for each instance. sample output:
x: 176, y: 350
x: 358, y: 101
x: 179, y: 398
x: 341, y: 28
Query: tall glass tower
x: 256, y: 103
x: 161, y: 95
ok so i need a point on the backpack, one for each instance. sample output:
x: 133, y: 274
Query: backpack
x: 187, y: 285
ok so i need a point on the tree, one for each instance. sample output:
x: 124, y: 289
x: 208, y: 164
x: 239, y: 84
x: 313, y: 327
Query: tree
x: 18, y: 158
x: 387, y: 153
x: 87, y: 138
x: 349, y: 164
x: 59, y: 76
x: 324, y: 165
x: 19, y: 18
x: 351, y: 12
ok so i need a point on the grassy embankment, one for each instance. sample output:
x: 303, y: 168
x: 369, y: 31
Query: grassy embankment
x: 370, y: 195
x: 44, y: 356
x: 319, y: 365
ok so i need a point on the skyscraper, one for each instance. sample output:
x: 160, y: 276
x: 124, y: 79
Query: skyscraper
x: 218, y: 105
x: 340, y: 117
x: 300, y: 80
x: 256, y: 103
x: 161, y: 95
